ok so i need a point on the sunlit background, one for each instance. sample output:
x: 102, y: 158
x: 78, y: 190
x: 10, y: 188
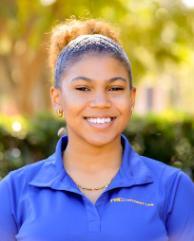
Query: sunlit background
x: 158, y: 36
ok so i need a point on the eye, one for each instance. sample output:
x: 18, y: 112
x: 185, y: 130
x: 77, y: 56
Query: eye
x: 82, y: 88
x: 116, y: 88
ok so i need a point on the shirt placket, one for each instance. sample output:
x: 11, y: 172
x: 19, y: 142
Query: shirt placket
x: 94, y: 220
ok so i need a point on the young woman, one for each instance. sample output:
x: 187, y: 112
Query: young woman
x: 94, y: 187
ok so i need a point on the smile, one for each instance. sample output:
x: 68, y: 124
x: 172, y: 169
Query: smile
x: 100, y: 121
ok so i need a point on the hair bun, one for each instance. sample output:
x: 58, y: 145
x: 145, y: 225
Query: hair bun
x: 63, y: 33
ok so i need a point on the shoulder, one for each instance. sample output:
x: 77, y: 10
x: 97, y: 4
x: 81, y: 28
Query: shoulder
x: 22, y: 176
x: 152, y: 170
x: 170, y: 185
x: 169, y: 180
x: 159, y: 169
x: 166, y: 177
x: 166, y: 174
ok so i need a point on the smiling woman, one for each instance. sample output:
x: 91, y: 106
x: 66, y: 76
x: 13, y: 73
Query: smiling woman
x: 94, y: 187
x: 95, y: 95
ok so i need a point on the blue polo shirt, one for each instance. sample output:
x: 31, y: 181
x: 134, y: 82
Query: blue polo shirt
x: 146, y: 200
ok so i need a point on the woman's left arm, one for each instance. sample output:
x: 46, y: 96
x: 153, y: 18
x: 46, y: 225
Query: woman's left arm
x: 8, y: 227
x: 180, y: 219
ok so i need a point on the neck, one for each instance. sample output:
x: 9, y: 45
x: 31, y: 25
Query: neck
x: 84, y: 157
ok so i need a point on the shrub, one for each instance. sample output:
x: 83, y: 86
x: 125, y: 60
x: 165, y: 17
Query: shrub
x: 24, y: 141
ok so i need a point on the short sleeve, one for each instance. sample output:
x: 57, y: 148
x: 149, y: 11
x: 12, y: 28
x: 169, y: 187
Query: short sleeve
x: 180, y: 219
x: 8, y: 228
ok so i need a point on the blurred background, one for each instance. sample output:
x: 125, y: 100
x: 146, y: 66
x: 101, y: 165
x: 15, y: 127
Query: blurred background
x: 158, y: 36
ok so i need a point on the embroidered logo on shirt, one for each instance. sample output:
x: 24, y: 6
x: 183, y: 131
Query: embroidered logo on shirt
x: 131, y: 200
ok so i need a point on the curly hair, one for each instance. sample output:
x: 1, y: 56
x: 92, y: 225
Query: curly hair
x: 63, y: 33
x: 73, y: 39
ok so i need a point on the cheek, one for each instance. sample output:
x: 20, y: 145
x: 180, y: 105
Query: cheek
x: 73, y: 104
x: 122, y: 103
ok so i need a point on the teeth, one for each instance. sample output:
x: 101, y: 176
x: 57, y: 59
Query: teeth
x: 99, y: 120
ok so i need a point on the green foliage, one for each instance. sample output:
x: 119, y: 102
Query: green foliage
x: 153, y: 32
x: 17, y: 149
x: 170, y: 141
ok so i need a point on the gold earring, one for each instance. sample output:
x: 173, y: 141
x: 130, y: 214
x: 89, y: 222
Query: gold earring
x: 60, y: 113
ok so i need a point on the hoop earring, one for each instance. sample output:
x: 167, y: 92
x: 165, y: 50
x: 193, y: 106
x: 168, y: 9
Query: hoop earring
x: 60, y: 113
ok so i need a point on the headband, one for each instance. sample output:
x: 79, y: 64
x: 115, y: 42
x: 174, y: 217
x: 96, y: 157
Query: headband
x: 83, y: 44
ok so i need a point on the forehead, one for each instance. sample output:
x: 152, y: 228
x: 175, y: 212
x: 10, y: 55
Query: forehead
x: 96, y: 66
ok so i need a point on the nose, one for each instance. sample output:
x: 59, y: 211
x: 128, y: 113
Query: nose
x: 100, y: 100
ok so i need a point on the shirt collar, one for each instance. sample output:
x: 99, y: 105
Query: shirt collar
x: 133, y: 171
x: 52, y: 174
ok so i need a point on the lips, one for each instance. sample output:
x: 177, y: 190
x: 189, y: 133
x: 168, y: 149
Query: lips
x: 100, y: 122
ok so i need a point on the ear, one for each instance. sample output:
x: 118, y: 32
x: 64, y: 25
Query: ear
x: 55, y: 95
x: 132, y: 97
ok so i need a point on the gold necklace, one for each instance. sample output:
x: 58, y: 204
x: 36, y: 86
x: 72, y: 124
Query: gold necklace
x: 94, y: 188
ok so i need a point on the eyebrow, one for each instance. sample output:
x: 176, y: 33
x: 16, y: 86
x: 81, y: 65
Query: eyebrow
x: 90, y: 80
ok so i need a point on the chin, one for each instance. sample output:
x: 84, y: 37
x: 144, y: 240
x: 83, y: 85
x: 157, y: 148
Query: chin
x: 100, y: 140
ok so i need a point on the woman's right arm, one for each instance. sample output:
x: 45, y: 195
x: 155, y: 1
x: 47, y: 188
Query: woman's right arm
x: 180, y: 220
x: 8, y: 227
